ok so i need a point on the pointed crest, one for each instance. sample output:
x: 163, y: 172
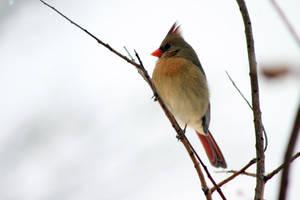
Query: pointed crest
x: 175, y: 29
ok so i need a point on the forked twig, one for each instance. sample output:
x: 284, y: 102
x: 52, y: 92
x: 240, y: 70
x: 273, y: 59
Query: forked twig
x: 243, y: 171
x: 180, y: 133
x: 142, y: 71
x: 234, y: 175
x: 275, y: 171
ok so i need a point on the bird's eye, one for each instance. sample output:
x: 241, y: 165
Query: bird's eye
x: 165, y: 47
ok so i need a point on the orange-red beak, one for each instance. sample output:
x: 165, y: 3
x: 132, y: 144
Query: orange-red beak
x: 157, y: 53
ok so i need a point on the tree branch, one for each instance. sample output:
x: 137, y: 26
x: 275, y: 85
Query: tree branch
x: 286, y: 21
x: 267, y: 177
x: 260, y: 166
x: 180, y: 134
x: 234, y: 175
x: 208, y: 174
x: 243, y: 171
x: 287, y: 156
x: 275, y: 171
x: 192, y: 154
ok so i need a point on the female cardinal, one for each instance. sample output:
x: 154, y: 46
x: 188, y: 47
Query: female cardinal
x: 181, y: 83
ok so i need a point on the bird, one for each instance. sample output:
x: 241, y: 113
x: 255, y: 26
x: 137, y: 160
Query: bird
x: 181, y: 83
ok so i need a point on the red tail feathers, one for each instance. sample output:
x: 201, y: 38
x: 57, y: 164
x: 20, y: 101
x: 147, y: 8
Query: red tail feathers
x: 212, y: 150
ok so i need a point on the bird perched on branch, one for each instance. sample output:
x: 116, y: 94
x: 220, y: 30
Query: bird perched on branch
x: 181, y: 83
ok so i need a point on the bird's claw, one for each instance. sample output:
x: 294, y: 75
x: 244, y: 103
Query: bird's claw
x: 181, y: 136
x: 154, y: 97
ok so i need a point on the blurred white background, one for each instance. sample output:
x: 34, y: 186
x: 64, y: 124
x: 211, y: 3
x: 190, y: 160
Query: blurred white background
x: 77, y: 122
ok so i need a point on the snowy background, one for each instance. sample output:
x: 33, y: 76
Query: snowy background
x: 77, y: 122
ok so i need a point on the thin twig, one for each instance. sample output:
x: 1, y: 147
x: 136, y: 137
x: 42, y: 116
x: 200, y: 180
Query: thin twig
x: 129, y: 54
x: 142, y: 71
x: 260, y: 165
x: 235, y: 171
x: 239, y: 91
x: 234, y: 175
x: 243, y: 171
x: 286, y: 21
x: 288, y: 154
x: 274, y: 172
x: 207, y: 172
x: 191, y: 152
x: 270, y: 175
x: 243, y: 96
